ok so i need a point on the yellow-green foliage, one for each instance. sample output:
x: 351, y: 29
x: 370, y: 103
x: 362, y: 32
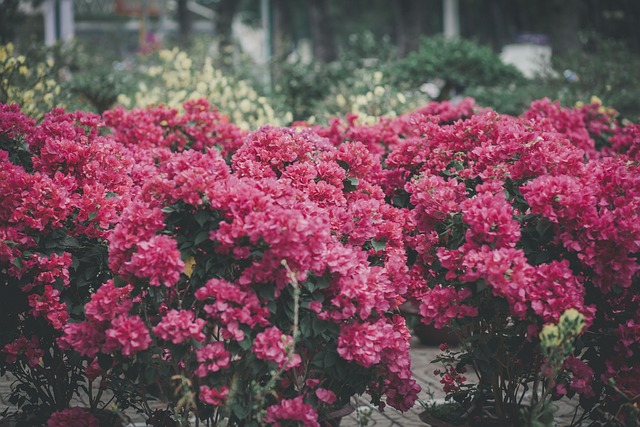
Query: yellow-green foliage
x: 175, y: 79
x: 30, y: 85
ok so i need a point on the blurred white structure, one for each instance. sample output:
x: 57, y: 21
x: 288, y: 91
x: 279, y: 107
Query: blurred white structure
x: 58, y: 21
x: 531, y: 59
x: 451, y: 18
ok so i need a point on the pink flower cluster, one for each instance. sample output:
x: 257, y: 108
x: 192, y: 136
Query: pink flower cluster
x: 109, y: 326
x: 272, y: 344
x: 291, y: 410
x: 178, y: 231
x: 179, y: 326
x: 22, y: 346
x: 73, y: 417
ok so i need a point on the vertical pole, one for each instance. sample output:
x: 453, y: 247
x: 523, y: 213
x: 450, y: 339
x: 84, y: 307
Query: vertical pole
x: 451, y: 18
x: 49, y: 12
x: 142, y: 36
x: 265, y: 8
x: 57, y: 19
x: 162, y: 27
x: 67, y: 25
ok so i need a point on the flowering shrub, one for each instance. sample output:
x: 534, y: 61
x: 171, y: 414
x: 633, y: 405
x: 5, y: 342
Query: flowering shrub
x: 63, y: 186
x: 368, y: 95
x: 175, y: 77
x: 516, y: 220
x: 257, y: 276
x: 32, y: 85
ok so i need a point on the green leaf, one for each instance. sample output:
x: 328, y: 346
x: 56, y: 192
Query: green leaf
x: 319, y: 326
x: 201, y: 237
x: 239, y: 410
x: 150, y: 374
x: 201, y: 217
x: 330, y: 359
x: 350, y: 184
x: 306, y: 326
x: 314, y: 283
x: 105, y: 361
x: 542, y: 227
x: 70, y: 242
x: 378, y: 245
x: 401, y: 200
x: 245, y: 344
x: 344, y: 165
x: 17, y: 262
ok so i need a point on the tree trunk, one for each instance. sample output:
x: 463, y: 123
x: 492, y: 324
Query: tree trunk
x: 410, y: 24
x: 223, y: 22
x: 184, y: 23
x: 324, y: 46
x: 499, y: 31
x: 281, y: 29
x: 565, y: 15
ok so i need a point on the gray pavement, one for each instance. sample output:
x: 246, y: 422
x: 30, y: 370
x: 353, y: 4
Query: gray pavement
x: 422, y: 368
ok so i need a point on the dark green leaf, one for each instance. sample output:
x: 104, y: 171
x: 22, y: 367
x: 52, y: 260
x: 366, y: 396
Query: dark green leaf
x: 201, y: 217
x: 201, y: 237
x: 378, y: 245
x: 350, y: 184
x: 240, y: 410
x: 17, y: 262
x: 70, y: 242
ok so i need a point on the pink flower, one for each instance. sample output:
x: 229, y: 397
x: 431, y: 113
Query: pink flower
x: 555, y: 289
x: 272, y: 344
x: 582, y: 376
x: 315, y: 306
x: 157, y: 259
x: 29, y: 348
x: 231, y: 305
x: 127, y: 334
x: 326, y: 396
x: 49, y: 305
x: 87, y: 338
x: 108, y: 302
x: 214, y: 396
x: 211, y: 358
x: 291, y: 410
x: 139, y: 222
x: 72, y: 417
x: 178, y: 326
x: 93, y: 370
x: 442, y: 304
x: 490, y: 220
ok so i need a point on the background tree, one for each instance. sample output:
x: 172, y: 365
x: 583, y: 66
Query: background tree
x: 184, y: 22
x: 409, y: 24
x: 225, y: 11
x: 324, y: 45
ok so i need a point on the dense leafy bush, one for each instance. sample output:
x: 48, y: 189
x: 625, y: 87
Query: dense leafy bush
x: 460, y: 63
x: 97, y: 89
x: 32, y: 84
x: 606, y: 69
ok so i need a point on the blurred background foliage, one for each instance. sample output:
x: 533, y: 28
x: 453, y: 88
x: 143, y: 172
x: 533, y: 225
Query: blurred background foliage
x: 329, y: 57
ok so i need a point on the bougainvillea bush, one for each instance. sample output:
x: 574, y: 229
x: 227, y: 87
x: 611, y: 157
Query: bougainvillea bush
x: 256, y: 276
x: 518, y: 219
